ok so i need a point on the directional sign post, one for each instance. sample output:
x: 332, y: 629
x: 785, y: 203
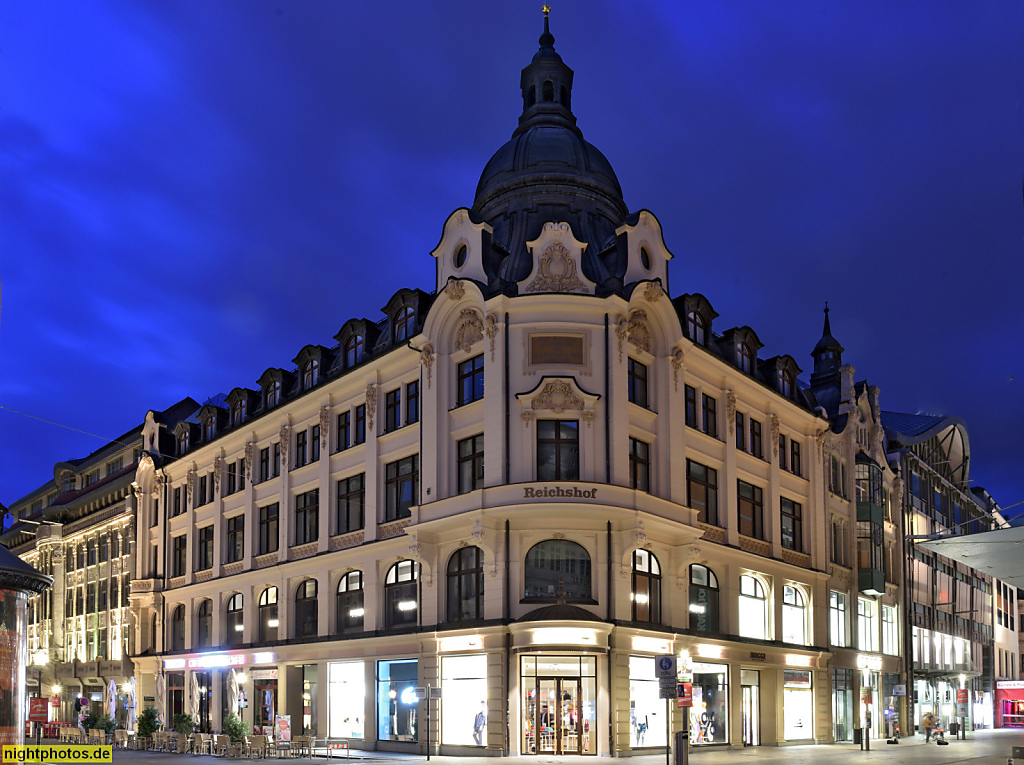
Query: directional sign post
x: 665, y: 666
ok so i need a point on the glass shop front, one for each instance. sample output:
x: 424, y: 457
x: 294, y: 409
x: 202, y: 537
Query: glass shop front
x: 559, y: 704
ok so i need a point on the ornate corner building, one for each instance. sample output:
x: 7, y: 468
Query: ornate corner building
x: 520, y: 489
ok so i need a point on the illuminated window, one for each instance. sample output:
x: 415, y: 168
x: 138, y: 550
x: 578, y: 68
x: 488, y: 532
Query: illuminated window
x: 350, y: 603
x: 401, y: 600
x: 838, y: 619
x: 646, y: 592
x: 703, y: 599
x: 753, y: 611
x: 235, y: 617
x: 794, y: 616
x: 268, y: 615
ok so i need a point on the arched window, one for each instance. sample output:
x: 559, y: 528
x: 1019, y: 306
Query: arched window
x: 401, y: 600
x: 235, y: 617
x: 753, y: 609
x: 238, y: 412
x: 557, y: 565
x: 268, y: 615
x: 178, y: 629
x: 696, y: 327
x: 306, y: 609
x: 548, y: 91
x: 531, y: 96
x: 646, y: 592
x: 466, y: 585
x: 273, y: 394
x: 744, y: 357
x: 794, y: 616
x: 404, y: 323
x: 310, y: 374
x: 182, y: 443
x: 703, y: 599
x: 354, y: 350
x: 350, y: 603
x: 208, y: 428
x: 786, y: 383
x: 204, y: 624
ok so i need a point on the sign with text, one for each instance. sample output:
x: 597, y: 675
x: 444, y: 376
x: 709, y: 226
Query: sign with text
x: 556, y: 349
x: 961, y: 702
x: 684, y: 694
x: 865, y: 695
x: 559, y: 492
x: 665, y: 666
x: 283, y: 726
x: 37, y: 710
x: 899, y: 690
x: 667, y: 688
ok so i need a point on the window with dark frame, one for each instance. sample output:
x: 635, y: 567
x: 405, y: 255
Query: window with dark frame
x: 401, y: 600
x: 466, y: 585
x: 236, y: 539
x: 344, y: 427
x: 359, y: 431
x: 351, y: 505
x: 412, y: 402
x: 268, y: 531
x: 783, y: 461
x: 404, y: 323
x: 756, y: 446
x: 794, y: 458
x: 709, y: 410
x: 646, y: 588
x: 178, y: 629
x: 751, y: 510
x: 264, y: 464
x: 202, y: 498
x: 639, y: 464
x: 301, y: 442
x: 696, y: 327
x: 177, y: 508
x: 307, y: 517
x: 268, y: 624
x: 792, y: 525
x: 204, y: 624
x: 741, y: 431
x: 204, y: 549
x: 702, y: 491
x: 470, y: 380
x: 350, y: 603
x: 306, y: 621
x: 275, y: 460
x: 401, y: 487
x: 314, y: 444
x: 691, y: 406
x: 470, y: 463
x: 179, y: 558
x: 353, y: 351
x: 392, y: 410
x: 744, y: 357
x: 311, y: 374
x: 637, y: 382
x: 235, y: 619
x: 232, y: 478
x: 558, y: 450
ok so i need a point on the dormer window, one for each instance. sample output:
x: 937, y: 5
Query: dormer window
x: 744, y: 357
x: 354, y: 350
x: 696, y: 327
x: 273, y: 394
x: 208, y: 429
x: 182, y: 442
x: 310, y: 374
x: 786, y: 383
x: 238, y: 412
x: 404, y: 322
x: 549, y: 91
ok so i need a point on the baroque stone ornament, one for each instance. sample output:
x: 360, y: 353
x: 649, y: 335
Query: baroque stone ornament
x: 589, y: 416
x: 653, y: 292
x: 491, y: 330
x: 621, y: 331
x: 284, y: 445
x: 427, y: 359
x: 637, y: 331
x: 558, y: 396
x: 730, y: 411
x: 556, y: 271
x: 819, y: 440
x: 774, y: 425
x: 371, y: 402
x: 189, y: 480
x: 470, y: 331
x: 325, y: 426
x: 527, y: 417
x: 248, y: 461
x: 217, y: 464
x: 677, y: 365
x: 454, y: 290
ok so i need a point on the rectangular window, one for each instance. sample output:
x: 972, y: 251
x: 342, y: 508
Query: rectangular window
x: 401, y: 487
x: 275, y: 460
x: 792, y: 525
x: 344, y: 428
x: 890, y: 632
x: 558, y: 450
x: 359, y: 434
x: 179, y: 561
x: 471, y: 463
x: 301, y: 439
x: 236, y: 538
x: 867, y: 629
x: 639, y: 465
x: 471, y: 380
x: 351, y: 504
x: 202, y: 491
x: 756, y: 447
x: 269, y: 537
x: 637, y: 382
x: 751, y: 510
x: 392, y: 410
x: 783, y: 463
x: 702, y: 491
x: 412, y: 402
x: 204, y: 549
x: 177, y: 507
x: 838, y: 619
x: 232, y: 479
x: 115, y: 465
x: 794, y: 457
x: 314, y: 444
x: 709, y: 411
x: 741, y: 431
x: 691, y: 406
x: 307, y: 524
x: 265, y: 464
x: 90, y: 598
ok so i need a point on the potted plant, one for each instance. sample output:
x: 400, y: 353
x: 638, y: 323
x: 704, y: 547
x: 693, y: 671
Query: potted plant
x: 184, y: 725
x: 148, y: 722
x: 235, y: 728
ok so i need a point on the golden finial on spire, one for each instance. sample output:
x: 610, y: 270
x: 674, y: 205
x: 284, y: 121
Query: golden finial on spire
x: 546, y: 9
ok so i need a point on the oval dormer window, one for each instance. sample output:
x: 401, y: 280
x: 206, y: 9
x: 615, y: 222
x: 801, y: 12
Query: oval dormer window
x: 645, y: 259
x: 459, y: 259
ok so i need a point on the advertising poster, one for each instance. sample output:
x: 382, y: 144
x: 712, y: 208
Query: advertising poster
x: 283, y: 726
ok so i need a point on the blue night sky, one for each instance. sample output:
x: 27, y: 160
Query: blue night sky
x: 192, y: 191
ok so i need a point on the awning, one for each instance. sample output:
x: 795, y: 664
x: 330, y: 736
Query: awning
x: 999, y: 553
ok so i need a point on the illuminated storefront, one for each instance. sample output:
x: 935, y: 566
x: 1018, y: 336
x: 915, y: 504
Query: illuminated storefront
x: 397, y: 703
x: 798, y: 705
x: 709, y: 715
x: 464, y: 700
x: 346, y: 703
x: 559, y: 704
x: 646, y: 708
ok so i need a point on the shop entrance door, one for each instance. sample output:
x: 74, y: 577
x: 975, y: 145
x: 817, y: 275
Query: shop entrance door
x: 558, y: 715
x: 750, y: 713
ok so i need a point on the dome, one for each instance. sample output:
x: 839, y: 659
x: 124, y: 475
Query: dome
x: 546, y: 172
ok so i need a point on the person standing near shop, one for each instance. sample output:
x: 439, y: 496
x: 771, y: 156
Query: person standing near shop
x: 928, y: 722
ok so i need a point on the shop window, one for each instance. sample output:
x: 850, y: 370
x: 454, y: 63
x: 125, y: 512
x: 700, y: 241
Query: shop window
x: 464, y: 687
x: 794, y: 616
x: 557, y: 565
x: 559, y: 704
x: 838, y: 619
x: 703, y: 599
x: 268, y: 615
x: 350, y: 603
x: 558, y: 450
x: 204, y: 624
x: 306, y: 609
x: 346, y: 699
x: 466, y: 585
x: 890, y: 633
x: 867, y: 626
x: 397, y: 703
x: 646, y: 708
x: 178, y: 629
x: 798, y: 705
x: 702, y: 491
x: 646, y: 591
x: 235, y: 619
x: 709, y: 714
x: 753, y: 612
x: 401, y: 600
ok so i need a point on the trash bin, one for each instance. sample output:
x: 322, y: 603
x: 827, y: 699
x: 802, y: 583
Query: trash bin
x: 858, y: 736
x: 954, y: 728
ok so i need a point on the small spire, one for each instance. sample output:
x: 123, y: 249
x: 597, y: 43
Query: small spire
x: 827, y: 332
x: 547, y: 39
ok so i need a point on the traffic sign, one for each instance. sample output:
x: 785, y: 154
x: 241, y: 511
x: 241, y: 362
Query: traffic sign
x: 665, y: 666
x: 420, y: 692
